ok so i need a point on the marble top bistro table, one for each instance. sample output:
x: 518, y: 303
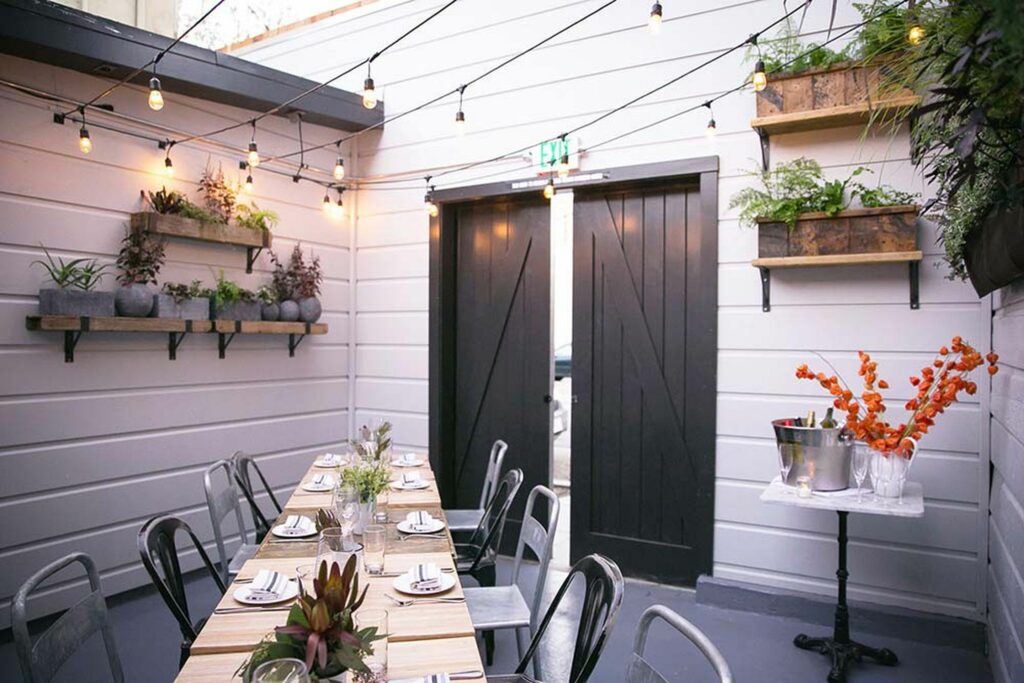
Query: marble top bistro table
x: 840, y: 648
x: 423, y: 639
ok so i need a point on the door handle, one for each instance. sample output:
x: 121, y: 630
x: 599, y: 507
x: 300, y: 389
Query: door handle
x: 548, y: 398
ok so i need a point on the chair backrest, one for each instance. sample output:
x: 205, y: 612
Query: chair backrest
x: 494, y: 462
x: 41, y: 661
x: 601, y: 602
x: 486, y: 539
x: 159, y: 555
x: 244, y: 465
x: 222, y: 501
x: 540, y: 541
x: 640, y: 671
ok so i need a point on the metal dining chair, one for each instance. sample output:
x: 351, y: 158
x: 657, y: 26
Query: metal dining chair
x: 159, y: 554
x: 640, y: 670
x: 40, y: 661
x: 244, y: 465
x: 499, y: 607
x: 602, y: 599
x: 466, y: 521
x: 478, y: 557
x: 221, y: 503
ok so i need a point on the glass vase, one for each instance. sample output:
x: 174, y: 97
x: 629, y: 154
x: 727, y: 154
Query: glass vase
x: 889, y: 470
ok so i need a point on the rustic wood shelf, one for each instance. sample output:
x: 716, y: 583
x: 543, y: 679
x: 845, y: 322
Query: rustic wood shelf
x: 169, y: 225
x: 911, y: 258
x: 176, y: 329
x: 831, y: 117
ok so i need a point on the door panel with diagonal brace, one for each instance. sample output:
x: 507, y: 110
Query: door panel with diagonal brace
x: 644, y: 354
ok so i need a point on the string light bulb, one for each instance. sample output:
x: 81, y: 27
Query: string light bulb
x: 248, y: 184
x: 339, y: 169
x: 654, y: 22
x: 760, y: 78
x: 549, y: 189
x: 327, y: 202
x: 156, y: 98
x: 369, y: 92
x: 254, y: 155
x: 84, y: 141
x: 916, y: 34
x: 168, y: 166
x: 339, y: 207
x: 711, y: 129
x: 460, y: 123
x: 429, y: 203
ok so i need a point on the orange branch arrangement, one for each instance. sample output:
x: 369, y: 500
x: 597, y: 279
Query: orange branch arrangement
x: 937, y: 388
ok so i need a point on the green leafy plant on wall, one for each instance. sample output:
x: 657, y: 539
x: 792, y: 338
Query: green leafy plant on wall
x: 182, y: 292
x: 78, y: 273
x: 228, y: 292
x: 140, y: 258
x: 174, y: 203
x: 254, y: 218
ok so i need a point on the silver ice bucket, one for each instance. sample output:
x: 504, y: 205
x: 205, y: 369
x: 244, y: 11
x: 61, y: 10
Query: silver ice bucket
x: 821, y: 454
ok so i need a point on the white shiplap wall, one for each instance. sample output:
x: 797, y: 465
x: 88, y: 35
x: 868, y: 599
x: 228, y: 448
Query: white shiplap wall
x: 931, y: 564
x: 90, y: 450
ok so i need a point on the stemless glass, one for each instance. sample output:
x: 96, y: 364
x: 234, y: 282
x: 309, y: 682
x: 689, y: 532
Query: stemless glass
x: 346, y: 505
x: 380, y: 511
x: 304, y: 574
x: 377, y: 660
x: 861, y: 459
x: 374, y: 544
x: 281, y: 671
x: 334, y: 546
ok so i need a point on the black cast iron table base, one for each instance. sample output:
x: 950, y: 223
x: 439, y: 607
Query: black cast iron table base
x: 839, y: 648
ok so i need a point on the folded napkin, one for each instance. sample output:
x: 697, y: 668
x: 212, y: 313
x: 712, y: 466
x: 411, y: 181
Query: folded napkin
x: 297, y: 523
x: 425, y: 577
x: 420, y: 520
x: 267, y: 585
x: 411, y: 478
x: 409, y: 458
x: 330, y: 459
x: 322, y: 480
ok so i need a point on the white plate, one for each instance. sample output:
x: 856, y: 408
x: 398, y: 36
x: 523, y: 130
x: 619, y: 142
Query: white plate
x: 290, y: 592
x: 403, y: 585
x: 434, y: 525
x: 283, y: 531
x: 310, y: 485
x: 419, y: 485
x: 418, y: 462
x: 320, y: 463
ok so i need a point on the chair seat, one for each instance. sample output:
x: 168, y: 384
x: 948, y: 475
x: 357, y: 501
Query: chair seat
x: 496, y: 607
x: 244, y: 553
x: 463, y: 520
x: 465, y: 554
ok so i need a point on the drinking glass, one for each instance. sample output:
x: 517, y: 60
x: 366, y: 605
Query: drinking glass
x: 374, y: 543
x: 380, y: 512
x: 377, y: 660
x: 346, y: 505
x: 785, y: 461
x: 335, y: 546
x: 305, y: 573
x: 281, y: 671
x: 861, y: 459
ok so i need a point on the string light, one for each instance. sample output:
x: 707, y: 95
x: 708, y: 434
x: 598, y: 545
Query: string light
x: 156, y: 98
x: 248, y: 183
x: 84, y: 141
x: 654, y: 22
x: 428, y: 200
x: 916, y: 34
x: 168, y: 165
x: 327, y: 201
x: 339, y: 208
x: 460, y: 117
x: 339, y: 166
x: 760, y: 78
x: 254, y: 155
x: 712, y: 129
x: 369, y: 93
x: 549, y: 189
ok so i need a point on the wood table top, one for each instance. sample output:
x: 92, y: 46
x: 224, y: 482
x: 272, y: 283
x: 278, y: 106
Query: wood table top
x: 425, y: 638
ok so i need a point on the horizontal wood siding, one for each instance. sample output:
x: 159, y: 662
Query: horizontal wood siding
x: 602, y: 63
x: 90, y: 450
x: 1006, y: 519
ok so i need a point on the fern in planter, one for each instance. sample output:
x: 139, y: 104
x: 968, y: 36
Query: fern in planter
x: 231, y: 301
x: 254, y: 218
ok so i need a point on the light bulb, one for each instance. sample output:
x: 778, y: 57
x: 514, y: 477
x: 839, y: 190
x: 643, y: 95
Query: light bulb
x: 563, y: 166
x: 339, y: 169
x: 168, y: 167
x: 760, y: 78
x: 916, y: 34
x: 327, y: 203
x: 339, y: 209
x: 710, y: 131
x: 248, y: 184
x: 654, y: 23
x: 549, y: 189
x: 460, y: 123
x: 429, y: 205
x: 254, y: 155
x: 369, y: 94
x: 156, y: 98
x: 84, y: 142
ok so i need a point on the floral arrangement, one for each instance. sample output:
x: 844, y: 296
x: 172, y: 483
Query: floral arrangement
x: 372, y: 444
x: 320, y: 628
x: 369, y: 478
x: 937, y: 388
x: 219, y: 196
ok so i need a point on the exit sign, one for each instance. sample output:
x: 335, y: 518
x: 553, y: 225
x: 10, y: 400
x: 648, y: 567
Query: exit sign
x: 547, y: 154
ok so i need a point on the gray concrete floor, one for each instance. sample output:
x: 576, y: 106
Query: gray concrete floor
x: 758, y: 648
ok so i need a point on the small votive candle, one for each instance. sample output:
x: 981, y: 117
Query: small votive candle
x: 803, y: 487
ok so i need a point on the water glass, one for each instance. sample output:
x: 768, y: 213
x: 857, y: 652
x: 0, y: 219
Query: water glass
x: 336, y: 546
x: 380, y: 511
x: 281, y: 671
x: 374, y: 544
x: 346, y: 506
x: 304, y: 574
x: 377, y: 660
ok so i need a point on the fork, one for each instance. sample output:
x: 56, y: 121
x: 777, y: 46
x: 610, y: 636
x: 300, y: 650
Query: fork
x: 405, y: 602
x: 411, y: 537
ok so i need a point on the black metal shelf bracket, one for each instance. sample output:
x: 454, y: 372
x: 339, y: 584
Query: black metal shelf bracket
x: 70, y: 342
x: 223, y: 342
x: 251, y: 254
x: 766, y: 289
x: 293, y: 343
x: 766, y: 148
x: 174, y: 340
x: 915, y: 287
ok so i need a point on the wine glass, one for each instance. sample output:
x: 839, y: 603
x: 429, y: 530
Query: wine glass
x: 861, y: 458
x: 785, y: 464
x: 286, y: 670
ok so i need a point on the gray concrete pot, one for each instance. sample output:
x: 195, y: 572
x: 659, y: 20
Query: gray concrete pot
x: 134, y: 300
x: 164, y: 306
x: 289, y: 311
x: 271, y: 311
x: 309, y: 309
x: 76, y: 302
x: 237, y: 310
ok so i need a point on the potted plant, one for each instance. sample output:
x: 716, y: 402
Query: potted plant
x: 219, y: 196
x: 73, y: 293
x: 139, y: 261
x: 373, y: 443
x: 252, y: 217
x: 321, y: 629
x: 171, y: 213
x: 297, y: 286
x: 798, y: 213
x: 269, y: 306
x: 184, y: 301
x: 370, y: 479
x: 230, y: 301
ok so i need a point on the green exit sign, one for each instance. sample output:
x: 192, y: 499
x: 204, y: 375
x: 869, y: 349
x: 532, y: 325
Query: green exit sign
x: 547, y: 154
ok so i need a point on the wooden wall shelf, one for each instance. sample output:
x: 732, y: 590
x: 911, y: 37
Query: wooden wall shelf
x: 176, y: 329
x: 831, y: 117
x: 911, y: 258
x: 219, y: 233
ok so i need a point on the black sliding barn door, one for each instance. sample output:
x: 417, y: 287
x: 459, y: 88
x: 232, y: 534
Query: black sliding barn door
x: 502, y: 353
x: 644, y: 358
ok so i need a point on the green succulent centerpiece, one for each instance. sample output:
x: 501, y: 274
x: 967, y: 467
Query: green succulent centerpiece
x: 369, y: 478
x: 321, y: 629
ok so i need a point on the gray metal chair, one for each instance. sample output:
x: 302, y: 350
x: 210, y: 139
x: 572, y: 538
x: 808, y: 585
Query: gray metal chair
x: 466, y: 521
x: 499, y: 607
x: 221, y: 503
x: 640, y: 671
x: 41, y: 661
x: 244, y: 466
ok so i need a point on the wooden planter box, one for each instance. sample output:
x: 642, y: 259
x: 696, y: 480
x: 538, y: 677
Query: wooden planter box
x: 842, y: 95
x: 853, y: 231
x: 221, y: 233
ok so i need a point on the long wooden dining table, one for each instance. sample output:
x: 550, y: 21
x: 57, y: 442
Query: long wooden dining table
x: 424, y: 639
